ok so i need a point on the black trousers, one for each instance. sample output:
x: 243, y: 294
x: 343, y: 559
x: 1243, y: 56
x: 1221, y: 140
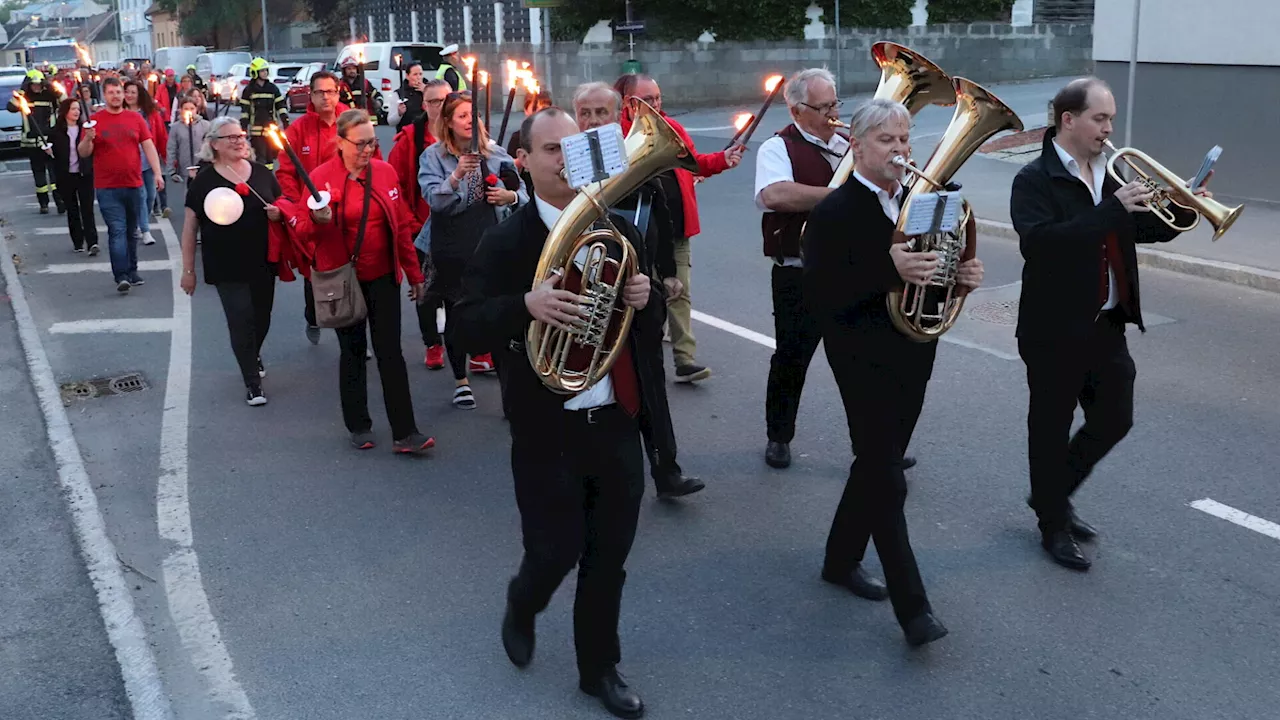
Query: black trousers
x: 382, y: 296
x: 427, y: 312
x: 308, y: 303
x: 796, y: 334
x: 579, y: 507
x: 42, y: 173
x: 1097, y: 373
x: 882, y: 402
x: 263, y: 151
x: 446, y: 291
x: 656, y: 428
x: 76, y: 191
x: 247, y: 306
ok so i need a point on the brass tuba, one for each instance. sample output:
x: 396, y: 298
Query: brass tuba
x: 1174, y: 192
x: 579, y: 248
x: 907, y: 77
x: 924, y: 313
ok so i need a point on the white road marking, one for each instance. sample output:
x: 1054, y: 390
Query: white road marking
x: 125, y: 630
x: 183, y: 584
x: 765, y: 340
x: 1239, y: 517
x: 61, y: 230
x: 711, y: 129
x: 79, y: 267
x: 114, y: 325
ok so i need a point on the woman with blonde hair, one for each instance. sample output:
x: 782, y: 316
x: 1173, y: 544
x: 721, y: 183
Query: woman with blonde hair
x: 234, y: 249
x: 468, y: 193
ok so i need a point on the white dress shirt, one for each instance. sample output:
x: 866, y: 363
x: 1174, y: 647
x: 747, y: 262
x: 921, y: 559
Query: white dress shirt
x: 890, y: 204
x: 1099, y: 167
x: 773, y: 165
x: 601, y: 393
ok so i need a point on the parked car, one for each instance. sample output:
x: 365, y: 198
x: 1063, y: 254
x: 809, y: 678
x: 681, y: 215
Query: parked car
x: 10, y: 122
x: 380, y: 67
x: 299, y: 95
x: 213, y: 68
x: 282, y: 75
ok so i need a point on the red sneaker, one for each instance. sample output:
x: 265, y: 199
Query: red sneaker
x: 435, y: 357
x: 481, y: 364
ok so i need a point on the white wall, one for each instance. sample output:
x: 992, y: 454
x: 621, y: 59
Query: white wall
x: 1228, y: 32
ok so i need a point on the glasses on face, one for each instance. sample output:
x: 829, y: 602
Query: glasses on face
x: 652, y: 100
x: 364, y: 145
x: 334, y: 93
x: 824, y: 109
x: 235, y: 138
x: 436, y: 102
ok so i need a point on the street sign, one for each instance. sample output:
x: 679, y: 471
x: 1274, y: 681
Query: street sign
x: 633, y: 26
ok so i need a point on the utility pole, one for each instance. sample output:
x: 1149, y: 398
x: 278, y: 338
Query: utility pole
x: 839, y: 79
x: 1133, y: 73
x: 266, y: 47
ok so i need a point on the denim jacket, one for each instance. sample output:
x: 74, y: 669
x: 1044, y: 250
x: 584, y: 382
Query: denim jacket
x: 434, y: 168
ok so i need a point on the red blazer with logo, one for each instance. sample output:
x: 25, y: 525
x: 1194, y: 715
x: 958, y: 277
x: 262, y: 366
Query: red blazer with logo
x: 315, y: 143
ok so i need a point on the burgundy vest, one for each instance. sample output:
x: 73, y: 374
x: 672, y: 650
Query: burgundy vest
x: 809, y: 166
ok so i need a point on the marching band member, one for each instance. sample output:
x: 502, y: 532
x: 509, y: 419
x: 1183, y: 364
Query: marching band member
x: 683, y: 201
x: 468, y: 193
x: 851, y: 264
x: 596, y: 105
x: 1077, y: 227
x: 576, y: 463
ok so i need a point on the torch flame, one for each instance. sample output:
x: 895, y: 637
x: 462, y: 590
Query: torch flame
x: 742, y: 120
x: 186, y: 117
x: 273, y: 134
x: 772, y: 83
x: 484, y: 77
x: 58, y: 87
x: 532, y: 84
x: 153, y: 79
x: 23, y: 105
x: 470, y: 62
x: 78, y: 77
x: 513, y: 77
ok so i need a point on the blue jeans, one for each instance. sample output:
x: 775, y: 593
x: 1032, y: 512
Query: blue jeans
x: 120, y: 209
x: 148, y: 199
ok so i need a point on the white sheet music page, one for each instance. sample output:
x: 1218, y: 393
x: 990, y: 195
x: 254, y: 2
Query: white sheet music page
x: 594, y: 155
x: 924, y: 208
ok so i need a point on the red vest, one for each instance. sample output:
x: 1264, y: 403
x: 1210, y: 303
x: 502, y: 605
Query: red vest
x: 809, y: 166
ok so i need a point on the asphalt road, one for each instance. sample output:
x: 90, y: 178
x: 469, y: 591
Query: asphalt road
x: 351, y: 585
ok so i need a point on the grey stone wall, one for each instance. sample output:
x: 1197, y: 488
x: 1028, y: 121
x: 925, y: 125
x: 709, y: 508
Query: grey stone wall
x: 720, y: 73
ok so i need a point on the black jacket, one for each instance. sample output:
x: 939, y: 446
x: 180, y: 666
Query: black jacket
x: 260, y: 105
x: 659, y: 236
x: 492, y: 317
x: 44, y: 110
x: 62, y: 150
x: 1061, y: 234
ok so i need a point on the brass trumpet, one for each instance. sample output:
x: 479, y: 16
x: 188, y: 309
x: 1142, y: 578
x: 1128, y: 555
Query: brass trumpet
x: 1174, y: 193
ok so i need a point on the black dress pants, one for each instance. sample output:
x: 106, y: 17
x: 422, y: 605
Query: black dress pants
x: 579, y: 507
x: 309, y: 303
x: 882, y: 401
x: 382, y: 296
x: 1096, y: 372
x: 656, y: 427
x: 247, y: 306
x: 796, y: 334
x: 446, y: 290
x: 43, y: 175
x: 427, y: 312
x: 77, y: 196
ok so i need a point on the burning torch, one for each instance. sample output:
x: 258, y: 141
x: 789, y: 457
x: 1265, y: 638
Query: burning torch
x: 25, y: 107
x: 771, y: 86
x: 189, y: 120
x: 319, y: 198
x: 484, y: 80
x: 740, y: 123
x: 475, y: 105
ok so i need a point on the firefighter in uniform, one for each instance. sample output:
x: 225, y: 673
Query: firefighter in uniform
x: 35, y: 132
x: 196, y: 81
x: 350, y: 92
x: 260, y: 105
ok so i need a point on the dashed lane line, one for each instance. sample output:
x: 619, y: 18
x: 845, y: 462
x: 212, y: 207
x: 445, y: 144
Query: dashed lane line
x: 112, y: 325
x: 1238, y: 517
x: 81, y: 267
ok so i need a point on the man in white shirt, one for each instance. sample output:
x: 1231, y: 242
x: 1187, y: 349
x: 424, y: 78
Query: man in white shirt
x: 576, y: 460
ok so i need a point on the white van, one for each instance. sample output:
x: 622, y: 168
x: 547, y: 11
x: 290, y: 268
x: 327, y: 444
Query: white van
x: 213, y: 66
x: 380, y: 66
x: 177, y: 58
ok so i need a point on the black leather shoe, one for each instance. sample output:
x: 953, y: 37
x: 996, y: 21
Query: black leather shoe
x: 1062, y: 547
x: 859, y: 583
x: 616, y: 696
x: 924, y: 629
x: 1081, y: 529
x: 777, y: 455
x: 517, y: 638
x: 908, y: 462
x: 679, y: 486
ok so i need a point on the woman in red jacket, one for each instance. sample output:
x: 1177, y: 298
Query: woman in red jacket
x: 383, y: 248
x: 137, y: 99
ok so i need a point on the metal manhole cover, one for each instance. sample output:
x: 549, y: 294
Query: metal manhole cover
x: 102, y: 387
x: 1000, y: 312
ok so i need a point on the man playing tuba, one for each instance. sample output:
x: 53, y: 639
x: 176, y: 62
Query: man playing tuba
x: 576, y: 460
x: 851, y: 263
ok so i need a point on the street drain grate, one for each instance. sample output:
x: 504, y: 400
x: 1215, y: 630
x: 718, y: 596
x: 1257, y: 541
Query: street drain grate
x: 103, y: 387
x: 1000, y: 312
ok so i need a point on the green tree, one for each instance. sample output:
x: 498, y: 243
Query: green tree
x: 685, y: 20
x: 870, y: 13
x: 6, y: 10
x: 331, y: 16
x: 965, y: 11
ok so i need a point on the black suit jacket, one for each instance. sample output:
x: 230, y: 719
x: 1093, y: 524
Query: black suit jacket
x: 62, y: 149
x: 1061, y: 233
x: 492, y: 317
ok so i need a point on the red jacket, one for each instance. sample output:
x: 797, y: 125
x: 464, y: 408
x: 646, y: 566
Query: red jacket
x: 325, y: 243
x: 316, y: 143
x: 160, y: 135
x: 708, y: 165
x: 285, y: 248
x: 404, y: 158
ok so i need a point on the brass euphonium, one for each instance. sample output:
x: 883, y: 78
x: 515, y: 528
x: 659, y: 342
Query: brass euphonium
x: 1173, y: 193
x: 595, y: 260
x: 907, y: 77
x: 924, y: 313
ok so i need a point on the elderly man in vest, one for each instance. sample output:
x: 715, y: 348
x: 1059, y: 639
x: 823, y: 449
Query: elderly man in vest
x: 793, y: 169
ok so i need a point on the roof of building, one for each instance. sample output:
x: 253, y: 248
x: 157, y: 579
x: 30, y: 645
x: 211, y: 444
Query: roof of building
x: 53, y: 11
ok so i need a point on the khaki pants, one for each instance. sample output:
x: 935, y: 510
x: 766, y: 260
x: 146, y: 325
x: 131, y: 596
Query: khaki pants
x: 679, y: 323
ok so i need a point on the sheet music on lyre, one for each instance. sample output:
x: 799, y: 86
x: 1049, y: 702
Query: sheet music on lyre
x: 595, y: 155
x: 933, y: 213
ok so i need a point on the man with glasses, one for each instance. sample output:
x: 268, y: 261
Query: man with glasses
x: 683, y: 205
x: 314, y: 136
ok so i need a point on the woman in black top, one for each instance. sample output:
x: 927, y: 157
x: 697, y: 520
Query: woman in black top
x: 74, y: 175
x: 234, y: 255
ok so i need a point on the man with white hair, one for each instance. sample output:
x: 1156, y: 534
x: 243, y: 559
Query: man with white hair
x: 595, y: 105
x: 852, y: 262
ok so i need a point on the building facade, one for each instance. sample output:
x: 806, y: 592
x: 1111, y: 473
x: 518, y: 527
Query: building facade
x: 464, y: 22
x: 1207, y: 74
x: 135, y: 29
x: 166, y: 30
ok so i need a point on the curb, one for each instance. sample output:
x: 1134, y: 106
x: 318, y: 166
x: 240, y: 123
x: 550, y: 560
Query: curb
x: 1245, y: 275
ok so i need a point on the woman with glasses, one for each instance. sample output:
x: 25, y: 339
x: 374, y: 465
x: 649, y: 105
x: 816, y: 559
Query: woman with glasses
x: 368, y: 218
x: 468, y: 192
x: 234, y: 256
